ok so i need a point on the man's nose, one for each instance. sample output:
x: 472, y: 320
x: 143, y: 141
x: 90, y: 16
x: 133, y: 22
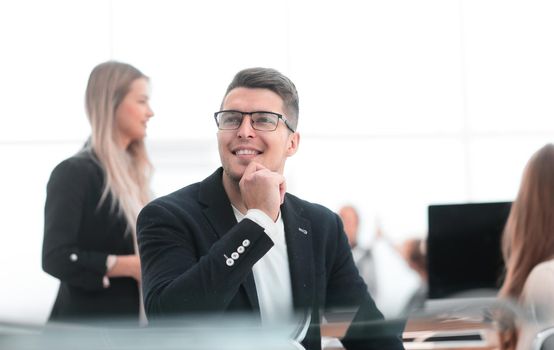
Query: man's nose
x: 245, y: 129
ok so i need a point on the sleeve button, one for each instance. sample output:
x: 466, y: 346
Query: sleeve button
x: 240, y: 249
x: 73, y: 257
x: 246, y: 243
x: 230, y: 262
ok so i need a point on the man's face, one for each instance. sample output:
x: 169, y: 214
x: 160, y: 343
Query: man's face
x: 237, y: 148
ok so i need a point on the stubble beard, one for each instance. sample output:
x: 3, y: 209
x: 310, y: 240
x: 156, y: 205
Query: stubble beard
x: 234, y: 178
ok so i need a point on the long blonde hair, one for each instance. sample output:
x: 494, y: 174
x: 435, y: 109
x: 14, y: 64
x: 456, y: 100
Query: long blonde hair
x: 528, y: 237
x: 127, y: 172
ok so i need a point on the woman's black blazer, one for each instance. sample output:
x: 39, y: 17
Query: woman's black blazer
x: 79, y: 234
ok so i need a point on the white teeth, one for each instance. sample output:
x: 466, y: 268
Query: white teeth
x: 241, y: 152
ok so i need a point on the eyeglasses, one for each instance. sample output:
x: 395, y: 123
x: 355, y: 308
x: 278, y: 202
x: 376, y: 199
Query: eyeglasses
x: 260, y: 120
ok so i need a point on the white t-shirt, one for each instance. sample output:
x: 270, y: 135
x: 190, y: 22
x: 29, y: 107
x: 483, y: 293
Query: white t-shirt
x: 537, y: 299
x: 271, y: 272
x: 538, y: 293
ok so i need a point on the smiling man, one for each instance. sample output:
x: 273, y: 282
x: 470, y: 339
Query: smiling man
x: 237, y: 241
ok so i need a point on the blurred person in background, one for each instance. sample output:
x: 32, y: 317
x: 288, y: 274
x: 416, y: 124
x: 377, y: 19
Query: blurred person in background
x: 528, y: 244
x: 363, y: 257
x: 413, y: 251
x: 93, y: 199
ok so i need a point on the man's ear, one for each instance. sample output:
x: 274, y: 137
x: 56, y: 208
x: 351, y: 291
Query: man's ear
x: 293, y: 143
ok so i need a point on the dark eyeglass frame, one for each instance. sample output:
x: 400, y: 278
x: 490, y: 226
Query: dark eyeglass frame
x: 279, y: 116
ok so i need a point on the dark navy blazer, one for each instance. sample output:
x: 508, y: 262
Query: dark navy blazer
x: 186, y: 237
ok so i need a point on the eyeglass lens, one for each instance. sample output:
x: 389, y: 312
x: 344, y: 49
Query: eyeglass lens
x: 263, y: 121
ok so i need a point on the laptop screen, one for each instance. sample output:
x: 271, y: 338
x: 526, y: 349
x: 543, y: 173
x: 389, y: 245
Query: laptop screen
x: 464, y: 248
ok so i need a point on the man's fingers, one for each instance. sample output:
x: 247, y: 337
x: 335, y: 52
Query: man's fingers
x: 250, y: 169
x: 259, y: 166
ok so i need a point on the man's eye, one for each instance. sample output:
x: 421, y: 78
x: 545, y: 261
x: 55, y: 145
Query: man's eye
x: 232, y: 120
x: 265, y: 119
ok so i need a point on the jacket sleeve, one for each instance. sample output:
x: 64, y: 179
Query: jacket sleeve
x: 346, y: 289
x: 177, y: 278
x: 63, y: 212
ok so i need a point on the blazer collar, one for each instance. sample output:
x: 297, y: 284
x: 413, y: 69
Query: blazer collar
x: 217, y: 208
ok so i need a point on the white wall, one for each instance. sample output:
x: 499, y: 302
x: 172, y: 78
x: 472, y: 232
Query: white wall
x: 403, y: 103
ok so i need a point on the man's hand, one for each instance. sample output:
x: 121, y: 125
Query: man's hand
x: 262, y: 189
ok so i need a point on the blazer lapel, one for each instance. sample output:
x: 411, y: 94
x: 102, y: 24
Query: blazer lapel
x: 220, y: 214
x: 217, y: 207
x: 298, y: 235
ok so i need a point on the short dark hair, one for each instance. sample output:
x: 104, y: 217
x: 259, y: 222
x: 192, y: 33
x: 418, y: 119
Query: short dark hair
x: 271, y: 79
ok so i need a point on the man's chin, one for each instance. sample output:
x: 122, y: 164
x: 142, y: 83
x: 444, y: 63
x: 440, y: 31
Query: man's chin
x: 233, y: 175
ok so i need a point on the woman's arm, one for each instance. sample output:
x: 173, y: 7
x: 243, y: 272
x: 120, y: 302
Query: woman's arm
x: 62, y: 256
x: 125, y: 266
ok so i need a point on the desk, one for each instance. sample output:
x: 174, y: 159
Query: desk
x: 434, y: 333
x: 481, y: 323
x: 461, y: 334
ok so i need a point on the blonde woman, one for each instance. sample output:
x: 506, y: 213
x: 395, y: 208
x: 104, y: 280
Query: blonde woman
x: 528, y: 242
x: 93, y: 199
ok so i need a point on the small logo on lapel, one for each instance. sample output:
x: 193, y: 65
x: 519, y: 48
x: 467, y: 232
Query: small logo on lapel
x: 303, y: 231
